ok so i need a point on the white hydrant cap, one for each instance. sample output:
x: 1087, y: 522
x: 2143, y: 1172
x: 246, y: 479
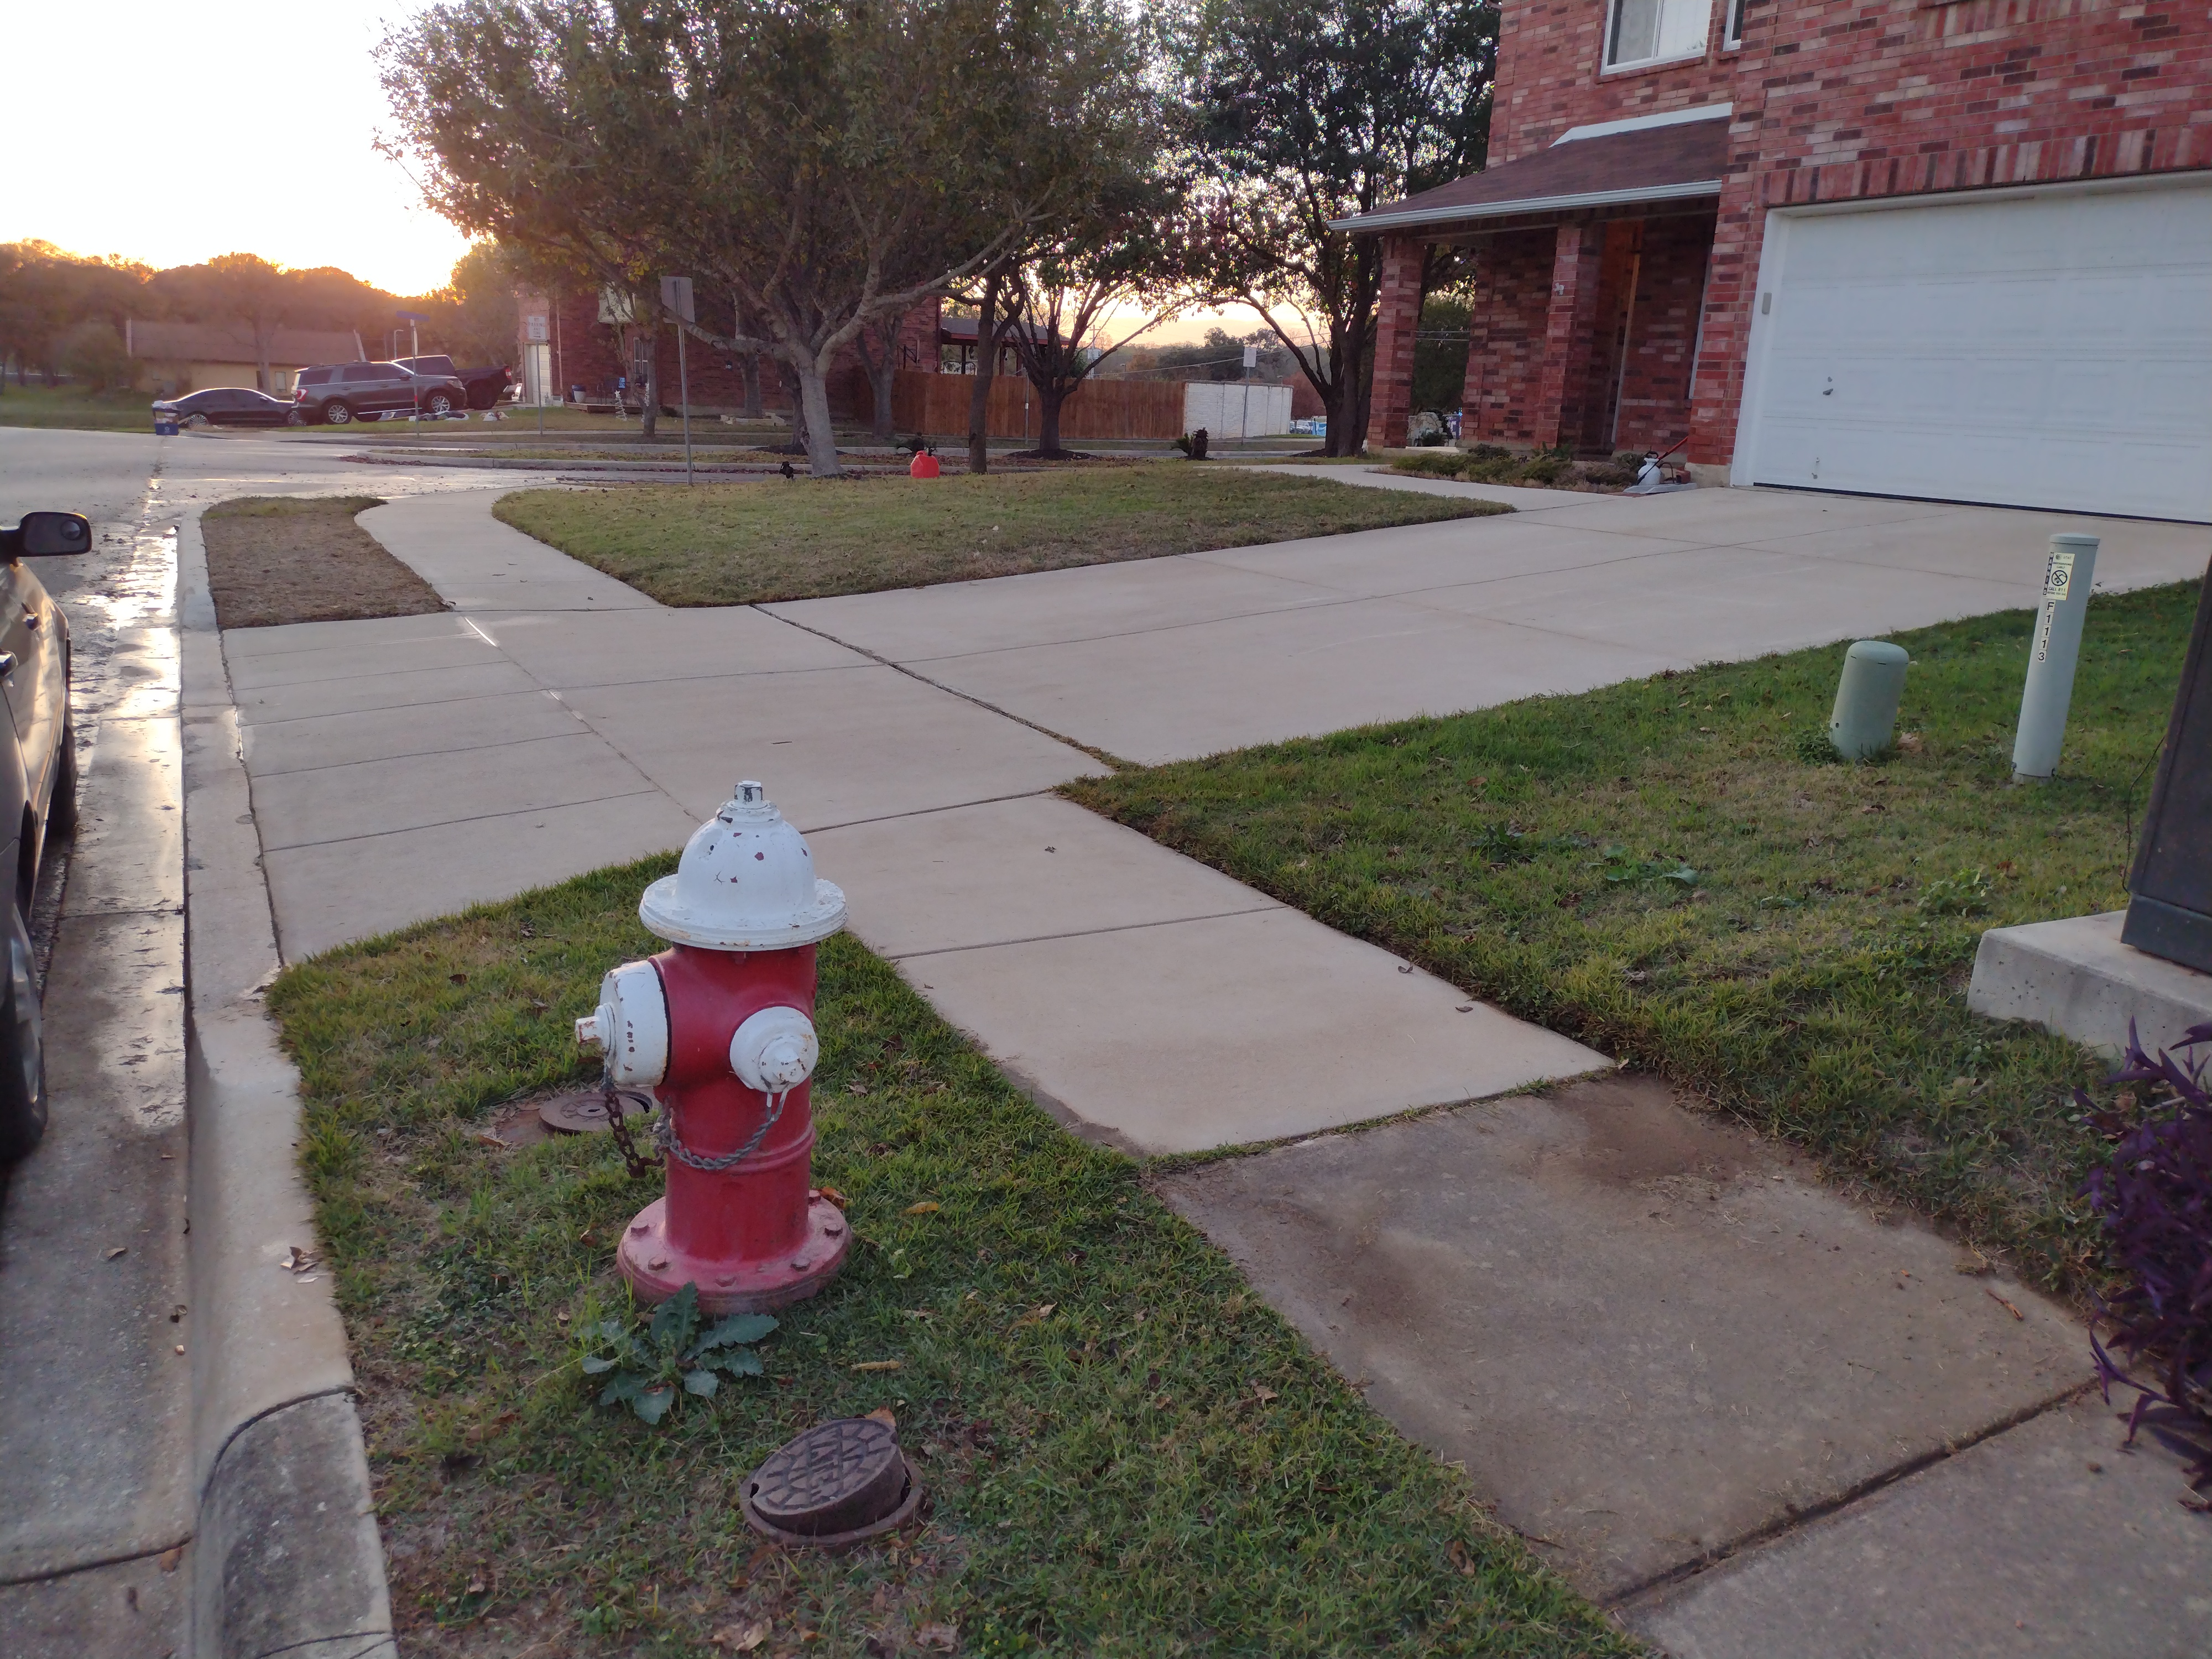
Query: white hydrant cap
x: 746, y: 882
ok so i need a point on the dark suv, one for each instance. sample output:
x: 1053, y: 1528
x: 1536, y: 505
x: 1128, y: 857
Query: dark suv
x: 486, y: 386
x: 346, y: 391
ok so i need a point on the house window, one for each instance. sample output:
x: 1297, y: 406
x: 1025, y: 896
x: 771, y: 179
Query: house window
x: 1658, y: 31
x: 1732, y: 35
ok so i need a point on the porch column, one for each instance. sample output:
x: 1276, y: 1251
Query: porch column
x: 1397, y: 314
x: 1570, y: 332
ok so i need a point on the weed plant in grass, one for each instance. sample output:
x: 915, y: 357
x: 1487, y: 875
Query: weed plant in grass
x: 1654, y: 869
x: 1128, y: 1454
x: 745, y: 543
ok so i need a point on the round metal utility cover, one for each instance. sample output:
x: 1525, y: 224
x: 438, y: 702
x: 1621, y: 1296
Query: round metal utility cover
x: 581, y: 1113
x: 840, y: 1478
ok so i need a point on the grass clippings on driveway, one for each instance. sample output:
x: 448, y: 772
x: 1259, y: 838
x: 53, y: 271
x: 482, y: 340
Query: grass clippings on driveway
x: 746, y: 544
x: 277, y: 559
x: 1652, y: 868
x: 1128, y: 1454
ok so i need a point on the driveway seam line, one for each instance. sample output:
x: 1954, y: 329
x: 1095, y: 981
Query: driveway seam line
x: 76, y: 1567
x: 925, y: 812
x: 1789, y: 1524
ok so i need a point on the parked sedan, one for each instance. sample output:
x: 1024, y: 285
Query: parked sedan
x: 226, y: 405
x: 340, y: 393
x: 38, y: 798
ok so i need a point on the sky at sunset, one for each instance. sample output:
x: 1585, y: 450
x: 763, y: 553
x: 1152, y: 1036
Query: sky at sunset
x: 171, y: 133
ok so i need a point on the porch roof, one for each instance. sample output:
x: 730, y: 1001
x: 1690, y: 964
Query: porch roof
x: 1673, y: 163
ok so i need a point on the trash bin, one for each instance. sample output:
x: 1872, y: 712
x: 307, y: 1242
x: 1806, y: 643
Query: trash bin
x: 165, y: 426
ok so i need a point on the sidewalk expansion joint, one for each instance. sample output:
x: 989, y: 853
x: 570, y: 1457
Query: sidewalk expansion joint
x: 1797, y: 1520
x: 1099, y: 754
x: 472, y: 817
x: 583, y: 729
x: 926, y: 811
x: 349, y: 1391
x: 1089, y: 932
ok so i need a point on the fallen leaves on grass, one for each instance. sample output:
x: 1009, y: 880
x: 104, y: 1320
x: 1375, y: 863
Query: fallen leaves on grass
x: 741, y: 1638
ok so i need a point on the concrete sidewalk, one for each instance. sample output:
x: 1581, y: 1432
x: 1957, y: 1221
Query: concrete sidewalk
x: 1654, y: 1342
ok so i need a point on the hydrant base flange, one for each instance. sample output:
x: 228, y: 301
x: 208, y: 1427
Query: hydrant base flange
x: 656, y: 1269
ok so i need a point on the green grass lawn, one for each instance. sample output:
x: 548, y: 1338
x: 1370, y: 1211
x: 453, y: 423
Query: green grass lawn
x: 1654, y: 869
x: 744, y: 543
x: 1128, y: 1453
x: 72, y: 406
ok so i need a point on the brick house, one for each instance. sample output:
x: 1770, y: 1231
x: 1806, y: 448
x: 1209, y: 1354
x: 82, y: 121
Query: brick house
x: 1958, y: 250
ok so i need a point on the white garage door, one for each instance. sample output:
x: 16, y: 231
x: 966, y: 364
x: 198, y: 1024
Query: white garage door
x: 2052, y: 349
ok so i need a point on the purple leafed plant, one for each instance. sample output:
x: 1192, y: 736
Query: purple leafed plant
x: 2155, y: 1197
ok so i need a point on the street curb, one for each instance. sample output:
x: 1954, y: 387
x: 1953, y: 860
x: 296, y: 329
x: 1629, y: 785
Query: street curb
x: 287, y: 1556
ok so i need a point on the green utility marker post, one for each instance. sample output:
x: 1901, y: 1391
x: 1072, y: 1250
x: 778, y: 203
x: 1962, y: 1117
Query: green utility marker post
x: 2051, y: 655
x: 1864, y: 719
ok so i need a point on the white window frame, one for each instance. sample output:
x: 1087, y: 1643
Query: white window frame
x: 1732, y: 25
x: 1685, y: 56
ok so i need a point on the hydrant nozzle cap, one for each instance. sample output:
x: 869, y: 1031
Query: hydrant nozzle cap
x: 746, y: 882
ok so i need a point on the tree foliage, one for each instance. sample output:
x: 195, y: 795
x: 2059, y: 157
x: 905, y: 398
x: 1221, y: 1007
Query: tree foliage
x: 1300, y: 112
x: 821, y: 165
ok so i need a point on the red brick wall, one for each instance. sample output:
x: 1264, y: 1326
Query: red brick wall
x: 1511, y: 292
x: 1397, y: 315
x: 1847, y: 98
x: 1654, y: 388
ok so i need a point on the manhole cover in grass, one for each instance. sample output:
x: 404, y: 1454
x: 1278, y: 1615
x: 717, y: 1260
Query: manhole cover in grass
x: 839, y: 1482
x: 582, y: 1112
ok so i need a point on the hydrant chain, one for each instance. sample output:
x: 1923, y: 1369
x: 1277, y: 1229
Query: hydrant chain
x: 665, y: 1137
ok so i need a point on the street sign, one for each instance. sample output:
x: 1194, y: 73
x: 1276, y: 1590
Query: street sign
x: 676, y: 297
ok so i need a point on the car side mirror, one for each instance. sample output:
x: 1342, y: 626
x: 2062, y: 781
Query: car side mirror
x: 42, y: 535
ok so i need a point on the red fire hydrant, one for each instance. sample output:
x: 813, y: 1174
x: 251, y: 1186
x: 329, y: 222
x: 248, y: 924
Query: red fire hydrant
x: 721, y: 1030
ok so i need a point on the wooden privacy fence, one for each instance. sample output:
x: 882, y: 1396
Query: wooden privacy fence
x: 936, y: 405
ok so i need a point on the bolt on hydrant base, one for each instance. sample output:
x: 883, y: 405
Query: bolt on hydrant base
x: 657, y: 1269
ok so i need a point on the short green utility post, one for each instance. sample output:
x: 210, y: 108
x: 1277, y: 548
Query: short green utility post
x: 2051, y: 655
x: 1864, y: 720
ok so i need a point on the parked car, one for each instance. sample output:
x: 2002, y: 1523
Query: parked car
x: 336, y: 393
x: 228, y: 405
x: 485, y: 385
x: 37, y: 796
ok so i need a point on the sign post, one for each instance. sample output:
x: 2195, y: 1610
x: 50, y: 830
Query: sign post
x: 676, y: 298
x: 413, y: 321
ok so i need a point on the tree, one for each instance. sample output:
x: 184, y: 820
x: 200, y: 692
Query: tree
x: 1301, y: 111
x: 825, y: 163
x: 93, y: 353
x: 246, y: 287
x: 1072, y: 298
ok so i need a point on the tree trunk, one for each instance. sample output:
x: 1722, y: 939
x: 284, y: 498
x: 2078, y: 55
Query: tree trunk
x: 814, y: 403
x: 260, y: 358
x: 649, y: 418
x: 1050, y: 400
x: 979, y: 395
x: 750, y: 364
x: 883, y: 371
x: 788, y: 377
